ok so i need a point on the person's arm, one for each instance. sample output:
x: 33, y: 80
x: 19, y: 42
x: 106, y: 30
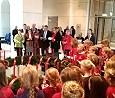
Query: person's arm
x: 15, y: 39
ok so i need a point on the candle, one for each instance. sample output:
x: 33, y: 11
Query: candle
x: 14, y: 67
x: 61, y: 56
x: 47, y: 62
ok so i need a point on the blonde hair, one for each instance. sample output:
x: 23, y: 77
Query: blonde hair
x: 52, y: 75
x: 94, y: 49
x: 71, y: 74
x: 107, y: 50
x: 110, y: 64
x: 105, y: 42
x: 71, y: 89
x: 87, y: 64
x: 90, y: 43
x: 29, y: 80
x: 110, y: 73
x: 75, y: 43
x: 94, y: 58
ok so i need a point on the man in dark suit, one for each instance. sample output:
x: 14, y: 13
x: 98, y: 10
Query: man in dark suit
x: 24, y: 31
x: 44, y: 35
x: 14, y: 32
x: 90, y: 36
x: 72, y: 31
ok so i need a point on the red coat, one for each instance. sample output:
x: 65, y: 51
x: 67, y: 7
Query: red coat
x: 57, y: 95
x: 30, y: 41
x: 100, y: 52
x: 110, y: 92
x: 50, y: 91
x: 6, y: 92
x: 67, y: 39
x: 73, y: 52
x: 36, y: 39
x: 80, y: 56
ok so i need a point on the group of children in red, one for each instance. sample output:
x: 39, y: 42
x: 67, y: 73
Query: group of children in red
x: 92, y: 75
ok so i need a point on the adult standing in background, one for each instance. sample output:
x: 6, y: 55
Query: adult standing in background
x: 18, y: 39
x: 44, y: 37
x: 34, y: 29
x: 14, y: 32
x: 72, y: 31
x: 90, y: 36
x: 67, y: 28
x: 5, y: 91
x: 29, y: 43
x: 80, y: 38
x: 56, y: 38
x: 36, y: 40
x: 24, y: 32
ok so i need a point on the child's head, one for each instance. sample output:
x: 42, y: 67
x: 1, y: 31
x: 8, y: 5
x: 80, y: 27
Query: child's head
x: 108, y: 52
x: 93, y: 49
x: 68, y: 32
x: 71, y: 74
x: 105, y: 43
x: 97, y: 86
x: 52, y: 75
x: 86, y: 65
x: 80, y: 48
x: 94, y: 58
x: 3, y: 81
x: 87, y: 44
x: 74, y: 43
x: 110, y: 75
x: 110, y: 64
x: 29, y: 77
x: 71, y: 89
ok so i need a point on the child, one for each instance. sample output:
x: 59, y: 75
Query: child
x: 98, y: 87
x: 104, y: 43
x: 5, y: 91
x: 29, y: 81
x: 87, y: 44
x: 93, y: 49
x: 110, y: 78
x: 74, y: 44
x: 72, y: 89
x: 95, y: 60
x: 69, y: 74
x: 52, y: 76
x: 73, y: 51
x: 86, y: 68
x: 81, y: 54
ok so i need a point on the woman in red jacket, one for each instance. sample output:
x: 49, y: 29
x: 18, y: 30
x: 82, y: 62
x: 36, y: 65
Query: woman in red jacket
x: 5, y: 91
x: 67, y: 42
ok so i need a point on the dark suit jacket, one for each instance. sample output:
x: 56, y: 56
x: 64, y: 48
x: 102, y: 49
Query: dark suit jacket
x: 14, y: 32
x: 56, y: 44
x: 45, y: 42
x: 91, y: 39
x: 25, y: 37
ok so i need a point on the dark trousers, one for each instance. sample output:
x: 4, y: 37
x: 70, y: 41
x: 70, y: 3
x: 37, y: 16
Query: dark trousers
x: 66, y: 52
x: 19, y: 51
x: 46, y: 50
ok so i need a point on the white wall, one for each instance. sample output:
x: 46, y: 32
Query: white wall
x: 58, y: 8
x: 4, y: 17
x: 69, y: 12
x: 32, y: 12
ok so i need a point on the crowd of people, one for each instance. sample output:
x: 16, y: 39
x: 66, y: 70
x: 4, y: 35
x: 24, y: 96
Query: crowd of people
x: 92, y: 74
x: 33, y: 39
